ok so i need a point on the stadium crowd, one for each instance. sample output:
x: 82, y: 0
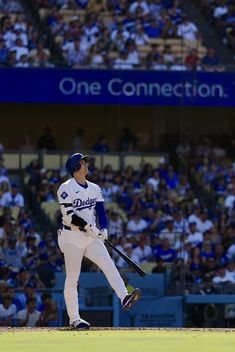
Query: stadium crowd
x: 21, y: 45
x: 116, y: 34
x: 222, y: 15
x: 172, y: 216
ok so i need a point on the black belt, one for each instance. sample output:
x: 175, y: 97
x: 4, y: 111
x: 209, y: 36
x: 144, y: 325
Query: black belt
x: 67, y: 227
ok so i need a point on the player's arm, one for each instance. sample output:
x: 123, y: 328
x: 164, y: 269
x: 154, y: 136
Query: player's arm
x: 102, y: 215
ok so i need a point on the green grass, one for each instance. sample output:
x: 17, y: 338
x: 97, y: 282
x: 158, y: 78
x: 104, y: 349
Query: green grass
x: 117, y: 341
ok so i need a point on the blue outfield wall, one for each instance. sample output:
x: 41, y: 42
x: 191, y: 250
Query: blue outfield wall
x: 67, y: 86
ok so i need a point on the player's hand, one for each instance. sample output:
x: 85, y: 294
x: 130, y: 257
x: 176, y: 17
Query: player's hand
x: 103, y: 235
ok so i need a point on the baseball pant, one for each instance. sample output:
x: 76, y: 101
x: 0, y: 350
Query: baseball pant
x: 75, y: 245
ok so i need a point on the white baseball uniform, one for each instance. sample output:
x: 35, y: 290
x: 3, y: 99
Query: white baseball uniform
x: 81, y: 200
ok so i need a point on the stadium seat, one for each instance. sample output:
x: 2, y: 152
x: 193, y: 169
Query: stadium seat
x: 50, y: 208
x: 112, y: 160
x: 52, y: 161
x: 132, y: 160
x: 157, y: 41
x: 173, y: 41
x: 27, y: 158
x: 98, y: 159
x: 12, y: 161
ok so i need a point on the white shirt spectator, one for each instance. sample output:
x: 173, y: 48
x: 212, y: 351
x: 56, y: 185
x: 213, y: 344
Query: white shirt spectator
x: 9, y: 200
x: 107, y: 192
x: 140, y: 38
x: 23, y: 37
x: 220, y: 11
x: 178, y: 67
x: 4, y: 178
x: 203, y: 226
x: 33, y: 317
x: 97, y: 61
x: 124, y: 34
x: 193, y: 218
x: 138, y: 226
x: 171, y: 236
x: 127, y: 249
x: 122, y: 64
x: 7, y: 312
x: 154, y: 182
x: 115, y: 227
x: 142, y: 4
x: 187, y: 30
x: 159, y: 67
x: 133, y: 57
x: 9, y: 38
x: 230, y: 275
x: 13, y: 6
x: 220, y: 279
x: 181, y: 226
x: 143, y: 255
x: 20, y: 50
x: 194, y: 238
x: 231, y: 252
x: 229, y: 201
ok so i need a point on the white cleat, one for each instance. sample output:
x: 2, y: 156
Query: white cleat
x: 80, y: 324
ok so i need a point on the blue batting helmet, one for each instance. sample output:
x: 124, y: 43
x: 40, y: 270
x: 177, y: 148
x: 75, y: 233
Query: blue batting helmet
x: 73, y: 162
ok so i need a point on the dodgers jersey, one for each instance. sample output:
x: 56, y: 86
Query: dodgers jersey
x: 80, y: 200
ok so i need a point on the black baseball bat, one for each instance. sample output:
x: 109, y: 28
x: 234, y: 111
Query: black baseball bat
x: 132, y: 264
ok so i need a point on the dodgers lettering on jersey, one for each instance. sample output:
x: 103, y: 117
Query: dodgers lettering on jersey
x: 79, y: 200
x: 80, y: 204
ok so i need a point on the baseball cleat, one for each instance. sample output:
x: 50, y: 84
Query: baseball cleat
x: 80, y: 325
x: 130, y: 299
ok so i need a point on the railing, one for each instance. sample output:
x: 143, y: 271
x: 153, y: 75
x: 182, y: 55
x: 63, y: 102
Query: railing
x: 19, y: 160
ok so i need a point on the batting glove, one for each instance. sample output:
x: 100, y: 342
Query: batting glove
x: 103, y: 235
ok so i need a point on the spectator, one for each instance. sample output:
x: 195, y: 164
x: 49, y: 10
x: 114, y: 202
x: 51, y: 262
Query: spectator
x: 192, y: 60
x: 187, y: 30
x: 194, y: 237
x: 29, y: 316
x: 45, y: 271
x: 203, y: 223
x: 49, y: 311
x: 101, y: 146
x: 169, y: 233
x: 211, y: 62
x: 13, y: 198
x: 7, y: 311
x: 221, y: 276
x: 47, y: 141
x: 77, y: 56
x: 136, y: 224
x: 123, y: 62
x: 116, y: 225
x: 28, y: 293
x: 164, y: 252
x: 143, y: 252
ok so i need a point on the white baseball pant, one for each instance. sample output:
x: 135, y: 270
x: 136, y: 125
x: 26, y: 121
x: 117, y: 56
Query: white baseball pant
x: 75, y: 245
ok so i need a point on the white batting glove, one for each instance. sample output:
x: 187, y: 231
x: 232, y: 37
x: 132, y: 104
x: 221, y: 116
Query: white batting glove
x: 92, y: 230
x: 103, y: 235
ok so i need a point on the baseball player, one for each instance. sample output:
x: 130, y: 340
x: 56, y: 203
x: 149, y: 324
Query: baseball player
x: 80, y: 202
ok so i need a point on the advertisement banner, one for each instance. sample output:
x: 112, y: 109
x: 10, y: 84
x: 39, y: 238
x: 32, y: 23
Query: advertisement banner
x: 153, y: 312
x: 111, y: 87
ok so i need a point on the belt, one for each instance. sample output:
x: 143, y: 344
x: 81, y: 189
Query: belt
x: 67, y: 227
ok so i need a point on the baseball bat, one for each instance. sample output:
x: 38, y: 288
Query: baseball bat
x: 132, y: 264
